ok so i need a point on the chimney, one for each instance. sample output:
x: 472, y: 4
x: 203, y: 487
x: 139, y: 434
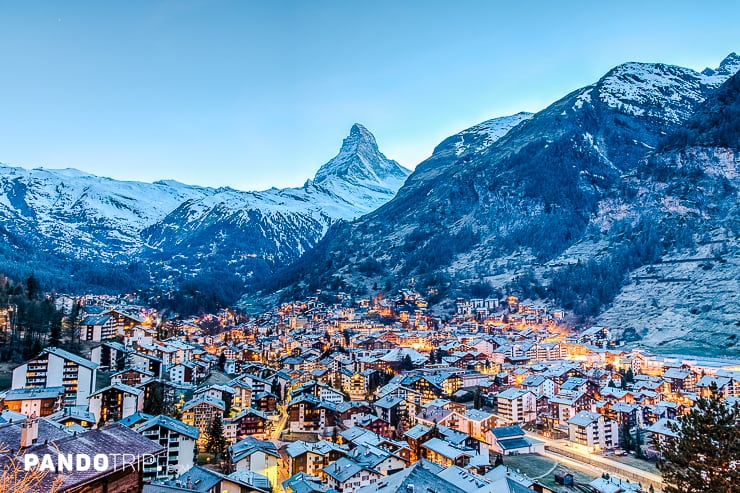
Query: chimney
x: 29, y: 431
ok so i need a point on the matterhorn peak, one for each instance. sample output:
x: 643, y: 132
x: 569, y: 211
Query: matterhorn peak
x: 360, y: 160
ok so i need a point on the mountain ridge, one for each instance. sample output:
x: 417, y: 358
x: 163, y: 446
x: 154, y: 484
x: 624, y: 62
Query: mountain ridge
x: 553, y: 198
x: 76, y: 217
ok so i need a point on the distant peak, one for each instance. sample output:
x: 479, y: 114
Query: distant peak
x: 360, y: 159
x: 358, y: 129
x: 359, y: 134
x: 728, y: 66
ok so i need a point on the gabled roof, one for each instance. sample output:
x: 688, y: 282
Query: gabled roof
x: 343, y: 469
x: 204, y: 399
x: 137, y: 417
x: 73, y: 412
x: 424, y: 476
x: 171, y: 424
x: 127, y: 389
x: 303, y: 483
x: 111, y: 440
x: 30, y: 394
x: 584, y: 418
x: 418, y: 431
x: 512, y: 393
x: 251, y: 445
x: 71, y: 357
x: 446, y: 449
x: 95, y: 320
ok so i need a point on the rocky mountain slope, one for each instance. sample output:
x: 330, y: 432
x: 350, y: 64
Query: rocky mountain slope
x: 252, y: 232
x: 572, y: 204
x: 112, y: 234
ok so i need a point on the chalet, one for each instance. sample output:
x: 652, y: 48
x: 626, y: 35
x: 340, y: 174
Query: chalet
x: 73, y: 417
x: 58, y: 368
x: 516, y: 406
x: 265, y: 402
x: 201, y: 480
x: 377, y: 458
x: 390, y: 408
x: 446, y: 454
x: 416, y: 436
x: 178, y: 440
x: 476, y: 423
x: 625, y: 414
x: 200, y: 412
x: 242, y: 399
x: 131, y: 376
x: 348, y: 476
x: 728, y: 386
x: 111, y: 355
x: 376, y: 424
x: 657, y: 434
x: 565, y: 405
x: 249, y: 422
x: 39, y: 402
x: 182, y: 373
x: 593, y: 431
x: 680, y: 379
x: 112, y: 441
x: 258, y: 456
x: 312, y: 458
x: 116, y: 402
x: 320, y: 390
x: 309, y: 413
x: 351, y: 411
x: 539, y: 385
x: 304, y: 483
x: 97, y: 328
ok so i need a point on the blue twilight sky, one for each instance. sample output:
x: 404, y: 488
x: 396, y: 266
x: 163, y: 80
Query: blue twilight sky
x: 253, y: 94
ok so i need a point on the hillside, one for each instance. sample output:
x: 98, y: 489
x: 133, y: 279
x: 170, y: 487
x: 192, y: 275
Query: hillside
x: 570, y: 206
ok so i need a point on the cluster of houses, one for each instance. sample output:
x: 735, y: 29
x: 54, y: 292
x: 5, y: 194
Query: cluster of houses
x: 357, y: 396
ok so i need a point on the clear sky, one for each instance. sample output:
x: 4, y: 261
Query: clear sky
x: 256, y: 94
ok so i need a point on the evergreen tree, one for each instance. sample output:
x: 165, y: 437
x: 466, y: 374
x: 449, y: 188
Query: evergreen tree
x: 55, y: 331
x: 638, y: 443
x: 478, y: 399
x: 626, y: 436
x: 705, y: 454
x: 72, y: 326
x: 155, y: 403
x: 347, y: 334
x: 215, y: 439
x: 276, y: 389
x: 407, y: 363
x: 432, y: 357
x: 222, y: 361
x: 499, y: 460
x: 32, y: 287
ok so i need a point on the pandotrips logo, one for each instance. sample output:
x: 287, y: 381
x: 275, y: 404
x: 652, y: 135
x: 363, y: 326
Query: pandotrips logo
x: 61, y: 463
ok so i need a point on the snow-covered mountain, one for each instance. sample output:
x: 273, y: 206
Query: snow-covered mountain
x: 578, y: 204
x: 276, y: 226
x: 74, y: 216
x: 479, y: 137
x: 84, y: 215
